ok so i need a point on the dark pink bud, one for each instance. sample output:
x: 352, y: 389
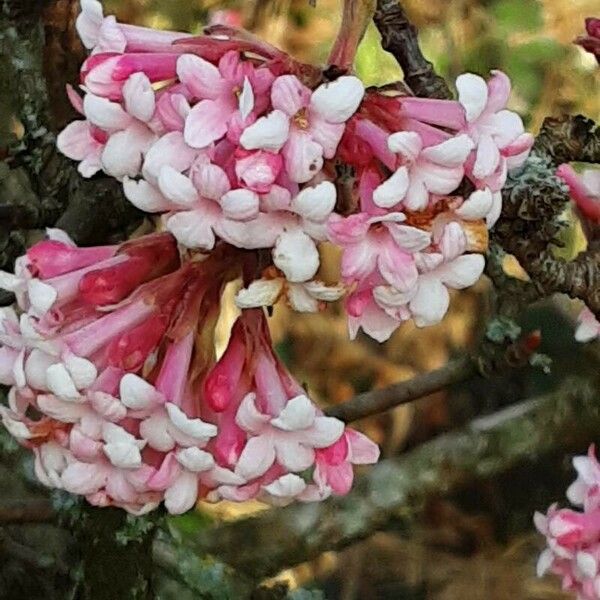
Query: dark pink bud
x: 51, y: 258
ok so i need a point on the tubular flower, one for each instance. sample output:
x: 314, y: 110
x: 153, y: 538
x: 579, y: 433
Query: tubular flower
x: 573, y: 536
x: 251, y: 161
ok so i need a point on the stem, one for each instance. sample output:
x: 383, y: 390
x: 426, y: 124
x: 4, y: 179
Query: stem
x: 399, y: 38
x: 356, y: 15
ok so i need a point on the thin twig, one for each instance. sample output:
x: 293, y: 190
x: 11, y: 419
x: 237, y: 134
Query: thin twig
x: 399, y: 38
x: 378, y: 401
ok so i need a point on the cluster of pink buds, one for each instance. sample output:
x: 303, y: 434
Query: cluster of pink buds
x: 238, y: 149
x: 584, y: 189
x: 113, y: 385
x: 573, y: 536
x: 591, y: 41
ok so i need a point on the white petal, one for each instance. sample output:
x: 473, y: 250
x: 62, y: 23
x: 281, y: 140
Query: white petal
x: 83, y: 372
x: 452, y: 152
x: 430, y: 303
x: 296, y: 255
x: 240, y: 204
x: 195, y: 428
x: 194, y: 459
x: 338, y: 100
x: 324, y: 432
x: 294, y: 456
x: 60, y: 383
x: 544, y: 562
x: 300, y: 300
x: 393, y: 190
x: 472, y: 94
x: 298, y: 413
x: 192, y: 229
x: 256, y: 459
x: 182, y: 495
x: 41, y: 295
x: 476, y: 206
x: 248, y: 417
x: 463, y: 271
x: 246, y: 99
x: 315, y: 203
x: 586, y: 563
x: 136, y: 393
x: 139, y: 97
x: 287, y: 486
x: 327, y: 293
x: 262, y: 292
x: 114, y: 434
x: 177, y: 187
x: 145, y: 196
x: 268, y: 133
x: 411, y: 239
x: 105, y: 114
x: 155, y: 431
x: 123, y: 455
x: 35, y: 368
x: 495, y: 211
x: 406, y: 143
x: 10, y: 282
x: 487, y: 158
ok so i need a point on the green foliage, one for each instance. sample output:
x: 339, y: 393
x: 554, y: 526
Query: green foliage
x: 517, y: 15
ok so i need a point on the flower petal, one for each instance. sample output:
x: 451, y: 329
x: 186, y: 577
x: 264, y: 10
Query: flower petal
x: 296, y: 255
x: 450, y: 153
x: 257, y: 457
x: 430, y: 303
x: 472, y: 94
x: 406, y: 143
x: 195, y: 460
x: 298, y: 413
x: 338, y: 100
x: 202, y: 78
x: 393, y: 190
x: 315, y: 203
x: 463, y: 271
x: 268, y: 133
x: 177, y: 187
x: 262, y: 292
x: 139, y: 97
x: 195, y: 428
x: 303, y: 157
x: 192, y: 229
x: 476, y: 206
x: 240, y: 204
x: 289, y: 95
x: 145, y: 196
x: 206, y: 123
x: 182, y: 495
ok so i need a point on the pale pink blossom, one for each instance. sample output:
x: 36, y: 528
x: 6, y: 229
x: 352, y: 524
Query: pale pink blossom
x: 423, y: 171
x: 306, y: 126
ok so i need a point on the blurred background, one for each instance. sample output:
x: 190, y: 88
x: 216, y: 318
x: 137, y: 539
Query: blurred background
x: 479, y: 544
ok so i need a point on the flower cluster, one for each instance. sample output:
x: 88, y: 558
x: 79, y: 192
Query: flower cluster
x: 250, y: 161
x: 109, y: 385
x: 573, y: 536
x: 413, y: 236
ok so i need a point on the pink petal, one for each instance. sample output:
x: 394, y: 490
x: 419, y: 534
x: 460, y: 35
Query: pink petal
x: 206, y: 123
x: 498, y: 91
x: 210, y: 180
x: 362, y: 451
x: 303, y: 157
x: 82, y: 478
x: 170, y: 149
x: 289, y: 95
x: 201, y: 77
x: 397, y: 267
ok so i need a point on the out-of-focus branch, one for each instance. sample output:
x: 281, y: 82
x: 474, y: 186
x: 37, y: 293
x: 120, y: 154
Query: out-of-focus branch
x: 399, y: 38
x: 356, y: 16
x: 564, y: 421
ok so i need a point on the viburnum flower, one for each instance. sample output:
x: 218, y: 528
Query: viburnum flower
x: 591, y: 41
x: 573, y: 537
x: 306, y: 126
x: 251, y: 161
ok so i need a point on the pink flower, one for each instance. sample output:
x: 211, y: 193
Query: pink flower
x: 423, y: 171
x: 381, y: 244
x: 428, y: 299
x: 306, y: 126
x: 228, y: 93
x: 573, y: 537
x: 497, y: 132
